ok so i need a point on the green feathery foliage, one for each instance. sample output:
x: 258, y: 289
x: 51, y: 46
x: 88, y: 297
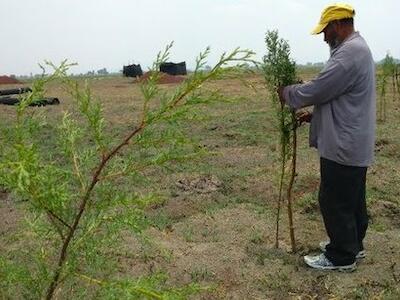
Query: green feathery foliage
x: 77, y: 210
x: 280, y: 70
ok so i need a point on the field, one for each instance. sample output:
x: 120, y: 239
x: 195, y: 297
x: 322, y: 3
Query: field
x: 216, y: 223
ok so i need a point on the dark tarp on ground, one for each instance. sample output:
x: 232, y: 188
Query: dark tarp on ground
x: 173, y: 69
x: 132, y: 71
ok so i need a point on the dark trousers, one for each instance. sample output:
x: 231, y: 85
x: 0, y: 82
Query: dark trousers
x: 343, y: 207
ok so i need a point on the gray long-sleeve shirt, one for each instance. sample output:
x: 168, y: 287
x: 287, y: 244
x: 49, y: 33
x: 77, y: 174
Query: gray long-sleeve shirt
x: 343, y: 94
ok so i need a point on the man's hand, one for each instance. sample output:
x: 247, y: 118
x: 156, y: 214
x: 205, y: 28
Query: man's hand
x: 303, y: 117
x: 280, y: 94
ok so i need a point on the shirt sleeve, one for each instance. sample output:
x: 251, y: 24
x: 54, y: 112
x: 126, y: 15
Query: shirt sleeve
x: 330, y: 83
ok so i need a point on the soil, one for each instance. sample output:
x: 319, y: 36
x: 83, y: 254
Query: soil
x: 235, y: 250
x: 10, y: 216
x: 8, y: 80
x: 164, y: 78
x: 219, y: 212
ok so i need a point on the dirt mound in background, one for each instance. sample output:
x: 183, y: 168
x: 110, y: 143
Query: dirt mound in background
x: 164, y: 78
x: 199, y: 185
x: 8, y: 80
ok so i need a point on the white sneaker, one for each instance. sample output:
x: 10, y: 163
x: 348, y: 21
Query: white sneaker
x: 360, y: 255
x: 321, y: 262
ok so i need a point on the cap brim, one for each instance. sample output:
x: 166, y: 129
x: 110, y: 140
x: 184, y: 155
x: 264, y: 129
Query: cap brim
x: 319, y: 28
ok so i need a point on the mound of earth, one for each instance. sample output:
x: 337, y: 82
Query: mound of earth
x: 8, y: 80
x: 199, y: 184
x: 164, y: 78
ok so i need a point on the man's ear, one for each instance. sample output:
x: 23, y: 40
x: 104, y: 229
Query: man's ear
x: 337, y: 25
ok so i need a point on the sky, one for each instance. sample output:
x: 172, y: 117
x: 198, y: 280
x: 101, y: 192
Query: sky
x: 108, y: 34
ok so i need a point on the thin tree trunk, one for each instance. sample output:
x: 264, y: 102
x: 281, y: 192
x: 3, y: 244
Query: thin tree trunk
x: 291, y: 183
x: 281, y: 182
x: 278, y: 209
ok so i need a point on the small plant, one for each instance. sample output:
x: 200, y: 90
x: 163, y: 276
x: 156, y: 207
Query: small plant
x: 77, y: 208
x: 389, y: 72
x: 397, y: 80
x: 280, y: 70
x: 382, y: 106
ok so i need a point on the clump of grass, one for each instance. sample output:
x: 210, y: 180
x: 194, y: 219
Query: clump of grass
x: 201, y: 273
x: 278, y: 281
x: 256, y: 236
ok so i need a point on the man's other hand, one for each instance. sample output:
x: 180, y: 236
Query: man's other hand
x: 303, y: 117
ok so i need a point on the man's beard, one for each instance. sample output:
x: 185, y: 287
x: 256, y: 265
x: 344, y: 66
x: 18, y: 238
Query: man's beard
x: 334, y: 42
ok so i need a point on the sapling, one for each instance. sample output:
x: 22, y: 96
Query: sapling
x: 382, y: 106
x: 280, y: 70
x: 397, y: 79
x: 388, y: 71
x: 72, y: 192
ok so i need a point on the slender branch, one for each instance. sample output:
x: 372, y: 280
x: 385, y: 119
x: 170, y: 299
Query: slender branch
x: 89, y: 279
x: 77, y: 170
x: 122, y: 173
x: 291, y: 182
x: 278, y: 209
x: 83, y: 203
x: 213, y: 71
x: 82, y: 206
x: 393, y: 270
x: 281, y: 180
x: 51, y: 213
x: 106, y: 157
x: 58, y: 229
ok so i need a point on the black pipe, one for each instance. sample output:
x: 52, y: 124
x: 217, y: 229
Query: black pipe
x: 15, y: 91
x: 38, y: 102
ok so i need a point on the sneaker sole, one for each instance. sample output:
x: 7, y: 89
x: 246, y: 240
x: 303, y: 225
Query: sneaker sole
x: 345, y: 269
x: 360, y: 255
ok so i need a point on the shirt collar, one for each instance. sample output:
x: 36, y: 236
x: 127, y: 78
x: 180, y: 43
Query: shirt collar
x: 346, y: 40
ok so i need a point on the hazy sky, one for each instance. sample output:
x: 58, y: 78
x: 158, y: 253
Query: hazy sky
x: 111, y: 33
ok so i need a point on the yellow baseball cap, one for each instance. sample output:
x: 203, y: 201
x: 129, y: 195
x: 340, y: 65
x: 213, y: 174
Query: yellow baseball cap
x: 336, y: 11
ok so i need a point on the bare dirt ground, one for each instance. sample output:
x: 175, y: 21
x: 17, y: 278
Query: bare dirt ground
x: 217, y: 225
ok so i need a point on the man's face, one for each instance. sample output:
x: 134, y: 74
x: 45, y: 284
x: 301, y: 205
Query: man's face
x: 331, y: 35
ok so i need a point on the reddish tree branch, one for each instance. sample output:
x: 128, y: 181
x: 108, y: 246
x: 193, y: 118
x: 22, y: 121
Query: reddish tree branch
x: 83, y: 203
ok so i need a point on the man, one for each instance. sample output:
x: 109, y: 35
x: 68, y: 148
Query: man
x: 343, y: 130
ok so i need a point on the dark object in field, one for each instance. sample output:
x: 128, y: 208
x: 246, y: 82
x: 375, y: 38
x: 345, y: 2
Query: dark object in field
x: 38, y: 102
x: 173, y: 69
x: 15, y: 91
x: 132, y: 71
